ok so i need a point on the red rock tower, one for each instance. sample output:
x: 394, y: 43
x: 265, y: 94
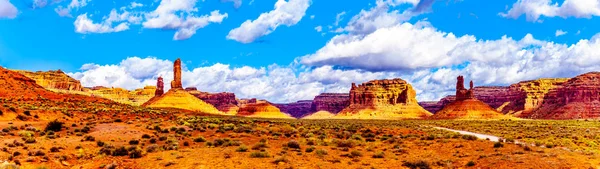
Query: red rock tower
x: 176, y: 83
x: 461, y: 92
x: 159, y: 87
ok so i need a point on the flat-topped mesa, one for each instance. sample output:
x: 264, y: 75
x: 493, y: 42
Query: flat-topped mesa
x: 53, y: 80
x: 176, y: 83
x: 383, y: 99
x: 331, y: 102
x: 159, y: 87
x: 382, y: 92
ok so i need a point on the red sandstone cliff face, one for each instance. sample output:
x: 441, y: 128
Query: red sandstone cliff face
x: 53, y: 80
x: 331, y: 102
x: 160, y: 87
x: 383, y: 99
x: 225, y: 102
x: 577, y: 98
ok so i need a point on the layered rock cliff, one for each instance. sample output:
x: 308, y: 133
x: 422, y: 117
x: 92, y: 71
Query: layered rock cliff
x: 53, y: 80
x: 134, y: 97
x: 383, y: 99
x: 577, y: 98
x: 331, y: 102
x: 297, y: 109
x: 261, y: 109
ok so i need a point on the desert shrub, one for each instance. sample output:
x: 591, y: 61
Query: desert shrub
x: 162, y: 138
x: 259, y: 145
x: 378, y: 155
x: 22, y: 118
x: 469, y: 137
x: 355, y: 153
x: 89, y: 138
x: 54, y: 149
x: 1, y: 113
x: 135, y: 152
x: 146, y: 136
x: 27, y: 113
x: 498, y: 145
x: 54, y: 125
x: 185, y: 143
x: 152, y: 140
x: 242, y: 148
x: 99, y: 143
x: 527, y: 148
x: 152, y: 148
x: 199, y: 139
x: 357, y: 137
x: 470, y: 164
x: 228, y: 127
x: 259, y: 154
x: 549, y: 145
x: 121, y: 151
x: 321, y: 152
x: 29, y: 140
x: 416, y: 164
x: 344, y: 143
x: 310, y: 149
x: 293, y: 144
x: 134, y: 142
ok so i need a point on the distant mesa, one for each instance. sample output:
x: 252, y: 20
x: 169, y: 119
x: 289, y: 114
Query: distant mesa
x: 225, y: 102
x: 383, y: 99
x: 260, y: 108
x: 57, y: 80
x: 178, y: 98
x: 467, y: 106
x: 319, y: 115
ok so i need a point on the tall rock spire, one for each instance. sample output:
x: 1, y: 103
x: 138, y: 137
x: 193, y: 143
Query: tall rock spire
x: 176, y: 83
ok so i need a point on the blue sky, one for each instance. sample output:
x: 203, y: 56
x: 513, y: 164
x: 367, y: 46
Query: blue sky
x: 36, y: 37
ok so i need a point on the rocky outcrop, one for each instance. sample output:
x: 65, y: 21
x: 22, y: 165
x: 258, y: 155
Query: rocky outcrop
x: 160, y: 87
x: 467, y: 106
x: 297, y: 109
x: 498, y: 97
x: 176, y: 83
x: 383, y: 99
x: 225, y: 102
x: 53, y: 80
x: 577, y: 98
x: 530, y: 95
x: 134, y: 97
x: 179, y: 98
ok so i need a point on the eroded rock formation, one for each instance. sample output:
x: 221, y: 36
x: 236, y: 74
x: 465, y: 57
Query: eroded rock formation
x: 176, y: 83
x: 577, y: 98
x: 53, y: 80
x: 331, y: 102
x: 261, y: 109
x: 383, y: 99
x: 297, y: 109
x: 467, y: 106
x: 160, y: 87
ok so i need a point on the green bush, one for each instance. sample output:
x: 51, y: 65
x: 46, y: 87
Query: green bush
x: 242, y: 148
x: 321, y: 152
x: 260, y: 154
x: 378, y: 155
x: 199, y: 139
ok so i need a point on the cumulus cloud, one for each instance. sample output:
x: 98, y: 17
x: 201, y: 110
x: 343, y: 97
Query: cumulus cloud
x: 85, y: 25
x: 534, y: 9
x: 274, y: 83
x: 286, y: 13
x: 179, y: 15
x: 39, y: 3
x: 135, y: 5
x: 380, y: 16
x: 560, y: 33
x: 7, y: 10
x: 319, y: 28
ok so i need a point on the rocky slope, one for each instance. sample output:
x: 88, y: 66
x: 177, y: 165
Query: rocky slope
x: 225, y: 102
x: 261, y: 109
x: 467, y: 106
x: 53, y: 80
x: 383, y: 99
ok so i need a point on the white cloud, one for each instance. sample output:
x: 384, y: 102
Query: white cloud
x: 319, y: 28
x: 85, y: 25
x: 74, y: 4
x: 380, y: 16
x: 534, y: 9
x: 312, y: 17
x: 339, y: 18
x: 560, y: 33
x: 178, y: 15
x: 7, y: 10
x: 286, y: 13
x: 135, y: 5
